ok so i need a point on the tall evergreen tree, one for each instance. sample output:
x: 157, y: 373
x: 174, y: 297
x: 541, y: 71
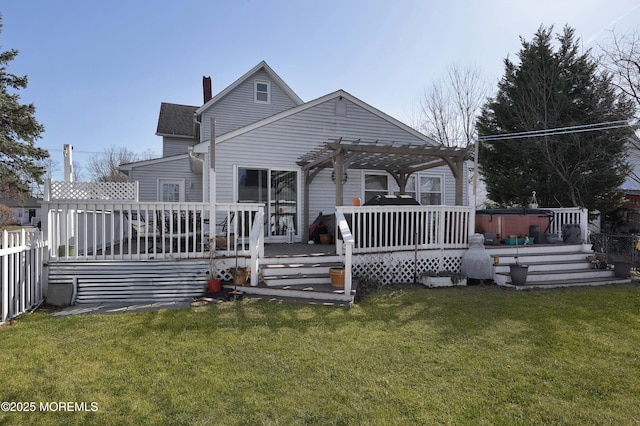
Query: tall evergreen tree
x: 552, y: 89
x: 19, y: 130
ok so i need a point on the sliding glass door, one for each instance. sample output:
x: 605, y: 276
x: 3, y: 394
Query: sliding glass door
x: 278, y: 190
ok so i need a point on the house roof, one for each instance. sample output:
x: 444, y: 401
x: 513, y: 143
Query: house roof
x: 202, y: 147
x: 24, y: 202
x: 126, y: 167
x: 272, y: 74
x: 176, y: 120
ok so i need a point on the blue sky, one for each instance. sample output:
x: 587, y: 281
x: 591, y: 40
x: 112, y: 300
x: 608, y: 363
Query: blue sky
x: 98, y: 70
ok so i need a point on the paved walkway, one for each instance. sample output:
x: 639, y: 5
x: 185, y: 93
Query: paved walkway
x: 117, y: 308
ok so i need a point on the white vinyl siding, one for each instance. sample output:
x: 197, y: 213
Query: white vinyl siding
x: 238, y: 108
x: 281, y: 143
x: 177, y: 169
x: 176, y: 146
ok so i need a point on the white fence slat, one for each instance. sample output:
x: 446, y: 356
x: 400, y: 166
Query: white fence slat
x: 21, y: 260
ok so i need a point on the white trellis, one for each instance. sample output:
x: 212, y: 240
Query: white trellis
x: 400, y: 267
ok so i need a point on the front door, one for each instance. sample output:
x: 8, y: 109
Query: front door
x: 278, y: 191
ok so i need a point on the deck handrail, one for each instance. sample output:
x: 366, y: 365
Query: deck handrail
x: 570, y: 216
x: 393, y: 228
x: 130, y: 230
x: 256, y: 245
x: 348, y: 241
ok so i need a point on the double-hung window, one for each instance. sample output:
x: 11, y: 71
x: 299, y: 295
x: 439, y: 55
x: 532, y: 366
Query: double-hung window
x: 171, y: 190
x: 262, y: 92
x: 375, y: 185
x: 427, y: 189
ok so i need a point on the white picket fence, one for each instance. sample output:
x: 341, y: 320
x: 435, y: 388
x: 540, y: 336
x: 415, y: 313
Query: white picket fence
x: 22, y: 255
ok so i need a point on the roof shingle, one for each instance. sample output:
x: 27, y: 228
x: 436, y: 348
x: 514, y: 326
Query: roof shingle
x: 176, y: 120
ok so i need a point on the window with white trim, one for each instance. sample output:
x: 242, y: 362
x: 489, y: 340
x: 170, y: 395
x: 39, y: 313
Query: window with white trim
x: 262, y: 92
x: 428, y: 191
x: 409, y: 189
x: 170, y: 191
x: 375, y: 185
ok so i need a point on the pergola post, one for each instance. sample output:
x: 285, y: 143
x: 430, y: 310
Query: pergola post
x: 307, y: 184
x: 459, y: 181
x: 339, y: 174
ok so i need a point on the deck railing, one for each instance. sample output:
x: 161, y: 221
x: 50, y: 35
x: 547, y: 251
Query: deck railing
x: 570, y: 216
x: 129, y: 230
x: 347, y: 237
x: 22, y: 255
x: 391, y: 228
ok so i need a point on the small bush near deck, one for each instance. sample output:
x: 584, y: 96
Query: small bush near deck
x: 405, y: 355
x: 7, y: 216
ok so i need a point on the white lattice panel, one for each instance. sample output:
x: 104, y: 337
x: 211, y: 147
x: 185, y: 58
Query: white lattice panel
x: 399, y: 267
x: 93, y: 191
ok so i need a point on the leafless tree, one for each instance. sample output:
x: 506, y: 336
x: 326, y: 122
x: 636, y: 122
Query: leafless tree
x: 621, y: 58
x: 448, y: 110
x: 104, y: 167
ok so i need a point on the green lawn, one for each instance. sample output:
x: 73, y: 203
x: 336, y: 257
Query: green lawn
x: 406, y: 355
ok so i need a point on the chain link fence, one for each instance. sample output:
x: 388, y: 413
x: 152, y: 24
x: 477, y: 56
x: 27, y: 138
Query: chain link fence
x: 618, y: 247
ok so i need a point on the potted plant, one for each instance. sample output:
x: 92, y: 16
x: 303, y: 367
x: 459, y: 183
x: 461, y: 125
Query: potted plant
x: 240, y: 274
x: 622, y: 268
x: 214, y: 284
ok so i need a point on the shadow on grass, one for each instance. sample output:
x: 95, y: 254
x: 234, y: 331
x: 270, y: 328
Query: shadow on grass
x: 451, y: 313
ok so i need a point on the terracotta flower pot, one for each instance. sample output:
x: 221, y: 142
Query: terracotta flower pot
x: 214, y: 285
x: 325, y: 239
x: 337, y: 277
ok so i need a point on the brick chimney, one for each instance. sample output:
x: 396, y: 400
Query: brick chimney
x: 206, y: 89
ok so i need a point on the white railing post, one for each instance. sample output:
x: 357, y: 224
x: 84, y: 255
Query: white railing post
x: 584, y: 225
x: 256, y: 245
x: 347, y: 237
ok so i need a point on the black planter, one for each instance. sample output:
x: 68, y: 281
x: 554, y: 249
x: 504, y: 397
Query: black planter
x: 622, y: 269
x: 518, y: 274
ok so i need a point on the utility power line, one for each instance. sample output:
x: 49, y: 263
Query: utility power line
x: 559, y: 131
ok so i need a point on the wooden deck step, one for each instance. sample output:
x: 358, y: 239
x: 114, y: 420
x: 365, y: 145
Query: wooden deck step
x: 581, y: 282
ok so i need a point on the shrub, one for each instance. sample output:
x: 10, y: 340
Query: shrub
x: 7, y: 216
